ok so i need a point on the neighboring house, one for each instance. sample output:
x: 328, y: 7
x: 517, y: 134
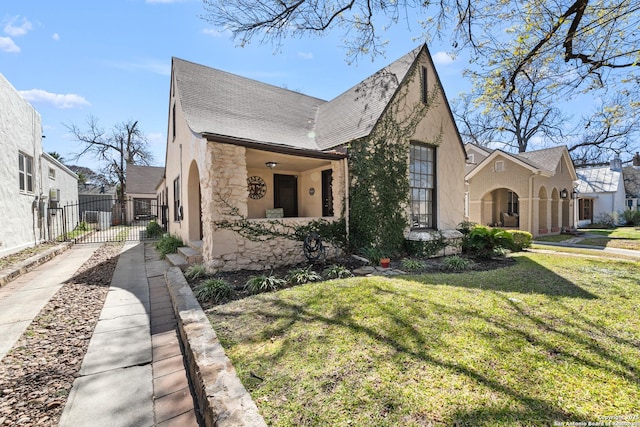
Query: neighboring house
x: 60, y: 189
x: 531, y: 191
x: 600, y: 192
x: 631, y: 176
x: 239, y: 148
x: 142, y: 182
x: 27, y: 175
x: 97, y: 201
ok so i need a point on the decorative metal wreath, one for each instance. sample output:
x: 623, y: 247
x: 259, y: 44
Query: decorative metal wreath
x: 313, y: 247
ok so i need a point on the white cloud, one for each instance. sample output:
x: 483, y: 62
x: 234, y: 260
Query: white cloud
x: 305, y: 55
x: 20, y: 30
x: 8, y: 45
x: 55, y: 36
x: 442, y: 58
x: 217, y: 33
x: 58, y: 100
x: 156, y: 138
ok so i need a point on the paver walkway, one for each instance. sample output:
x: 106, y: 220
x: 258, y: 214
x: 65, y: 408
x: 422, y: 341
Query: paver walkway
x: 133, y: 373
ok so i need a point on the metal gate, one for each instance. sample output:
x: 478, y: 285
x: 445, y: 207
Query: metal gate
x: 106, y: 219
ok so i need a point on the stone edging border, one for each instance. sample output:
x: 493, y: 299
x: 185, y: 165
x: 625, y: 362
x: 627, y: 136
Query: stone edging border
x: 222, y: 398
x: 10, y: 273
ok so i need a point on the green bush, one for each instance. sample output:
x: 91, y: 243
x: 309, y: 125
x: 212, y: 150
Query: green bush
x: 300, y: 276
x: 216, y: 290
x: 337, y: 271
x: 521, y: 239
x: 264, y: 283
x: 457, y: 263
x: 154, y: 230
x: 195, y: 272
x: 412, y: 264
x: 372, y: 254
x: 485, y: 242
x: 631, y: 217
x: 82, y: 226
x: 425, y: 248
x: 168, y: 244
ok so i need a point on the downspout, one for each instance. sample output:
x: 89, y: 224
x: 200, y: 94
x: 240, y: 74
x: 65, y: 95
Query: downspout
x: 346, y: 195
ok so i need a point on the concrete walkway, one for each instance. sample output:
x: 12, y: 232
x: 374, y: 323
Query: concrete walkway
x: 133, y: 373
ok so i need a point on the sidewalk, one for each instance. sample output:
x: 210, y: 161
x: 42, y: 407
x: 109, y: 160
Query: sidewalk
x: 133, y: 372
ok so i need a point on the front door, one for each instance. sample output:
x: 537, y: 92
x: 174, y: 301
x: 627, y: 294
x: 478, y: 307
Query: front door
x: 285, y: 194
x: 327, y: 193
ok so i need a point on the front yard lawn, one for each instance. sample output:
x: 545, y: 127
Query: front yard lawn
x: 551, y: 338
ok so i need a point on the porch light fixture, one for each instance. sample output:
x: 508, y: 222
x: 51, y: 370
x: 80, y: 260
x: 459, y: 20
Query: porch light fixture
x: 564, y: 193
x: 271, y: 165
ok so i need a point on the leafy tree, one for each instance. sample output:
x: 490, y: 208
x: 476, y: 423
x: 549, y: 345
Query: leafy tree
x: 57, y: 156
x: 124, y: 144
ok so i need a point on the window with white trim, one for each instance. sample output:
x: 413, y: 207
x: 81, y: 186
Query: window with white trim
x: 52, y: 173
x: 25, y: 172
x: 422, y: 182
x: 177, y: 215
x: 499, y: 166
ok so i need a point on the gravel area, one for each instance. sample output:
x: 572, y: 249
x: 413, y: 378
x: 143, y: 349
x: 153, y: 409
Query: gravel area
x: 37, y: 374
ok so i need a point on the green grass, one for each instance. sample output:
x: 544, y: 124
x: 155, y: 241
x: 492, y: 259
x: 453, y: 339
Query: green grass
x: 621, y: 237
x: 555, y: 238
x: 617, y: 233
x: 552, y: 338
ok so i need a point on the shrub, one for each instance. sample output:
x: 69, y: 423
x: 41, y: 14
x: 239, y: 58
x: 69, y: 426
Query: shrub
x: 606, y: 219
x: 631, y: 217
x: 457, y: 263
x: 485, y: 242
x: 82, y: 226
x: 264, y: 283
x: 154, y: 230
x: 521, y: 239
x: 426, y: 248
x: 195, y: 272
x: 337, y: 271
x: 216, y: 290
x: 300, y: 276
x: 168, y: 244
x: 372, y: 254
x: 412, y: 264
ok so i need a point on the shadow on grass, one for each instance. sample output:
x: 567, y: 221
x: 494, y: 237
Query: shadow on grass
x: 526, y: 276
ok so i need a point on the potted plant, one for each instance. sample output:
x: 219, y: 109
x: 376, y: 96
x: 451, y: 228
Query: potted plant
x: 384, y: 262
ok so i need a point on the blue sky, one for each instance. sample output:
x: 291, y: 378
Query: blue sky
x: 112, y: 60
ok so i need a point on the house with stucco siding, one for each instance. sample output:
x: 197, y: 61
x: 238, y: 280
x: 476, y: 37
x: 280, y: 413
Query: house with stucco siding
x: 242, y: 149
x: 601, y: 191
x: 28, y: 176
x: 531, y: 191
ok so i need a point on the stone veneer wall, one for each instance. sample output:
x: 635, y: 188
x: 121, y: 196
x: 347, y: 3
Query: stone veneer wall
x: 224, y: 197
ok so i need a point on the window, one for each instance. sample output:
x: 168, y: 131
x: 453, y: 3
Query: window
x: 585, y: 209
x: 52, y: 173
x: 499, y: 166
x: 512, y: 203
x: 177, y: 214
x: 471, y: 158
x: 425, y: 90
x: 173, y: 120
x: 25, y: 172
x: 422, y: 181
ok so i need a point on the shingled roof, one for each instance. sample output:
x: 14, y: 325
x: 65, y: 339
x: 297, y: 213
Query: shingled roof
x: 546, y: 159
x: 220, y: 103
x: 143, y: 179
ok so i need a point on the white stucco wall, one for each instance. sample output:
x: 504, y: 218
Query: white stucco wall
x: 20, y: 131
x: 56, y: 176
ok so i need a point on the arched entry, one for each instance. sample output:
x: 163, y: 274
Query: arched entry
x: 555, y: 210
x: 501, y: 207
x: 194, y: 210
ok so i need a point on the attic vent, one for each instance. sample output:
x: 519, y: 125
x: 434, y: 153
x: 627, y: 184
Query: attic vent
x: 471, y: 158
x: 499, y: 166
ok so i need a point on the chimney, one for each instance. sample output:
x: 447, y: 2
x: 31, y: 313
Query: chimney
x: 616, y: 164
x: 636, y: 159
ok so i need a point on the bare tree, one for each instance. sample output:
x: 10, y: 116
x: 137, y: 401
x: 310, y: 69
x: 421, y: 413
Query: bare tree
x: 124, y: 144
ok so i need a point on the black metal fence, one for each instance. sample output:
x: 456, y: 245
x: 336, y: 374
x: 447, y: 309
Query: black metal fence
x: 104, y: 219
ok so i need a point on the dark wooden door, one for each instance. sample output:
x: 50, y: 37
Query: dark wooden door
x: 327, y: 192
x: 285, y: 194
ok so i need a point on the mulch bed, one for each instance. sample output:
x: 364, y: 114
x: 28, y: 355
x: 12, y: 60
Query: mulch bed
x: 37, y: 374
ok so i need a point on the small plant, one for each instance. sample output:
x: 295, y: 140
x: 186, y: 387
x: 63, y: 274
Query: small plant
x: 216, y: 290
x: 631, y: 217
x: 411, y: 264
x: 521, y: 239
x: 264, y: 283
x: 606, y: 219
x: 195, y: 272
x: 154, y: 230
x: 457, y: 263
x: 372, y: 254
x: 82, y: 226
x: 300, y: 276
x: 337, y: 271
x: 485, y: 242
x: 168, y: 244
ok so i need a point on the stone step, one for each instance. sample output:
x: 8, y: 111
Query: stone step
x: 177, y: 260
x: 195, y: 245
x: 191, y: 255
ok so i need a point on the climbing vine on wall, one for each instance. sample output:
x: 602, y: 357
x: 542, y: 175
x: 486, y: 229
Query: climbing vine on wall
x: 379, y: 193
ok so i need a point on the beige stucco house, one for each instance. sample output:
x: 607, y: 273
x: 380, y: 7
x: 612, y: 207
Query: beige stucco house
x: 531, y: 191
x: 242, y: 150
